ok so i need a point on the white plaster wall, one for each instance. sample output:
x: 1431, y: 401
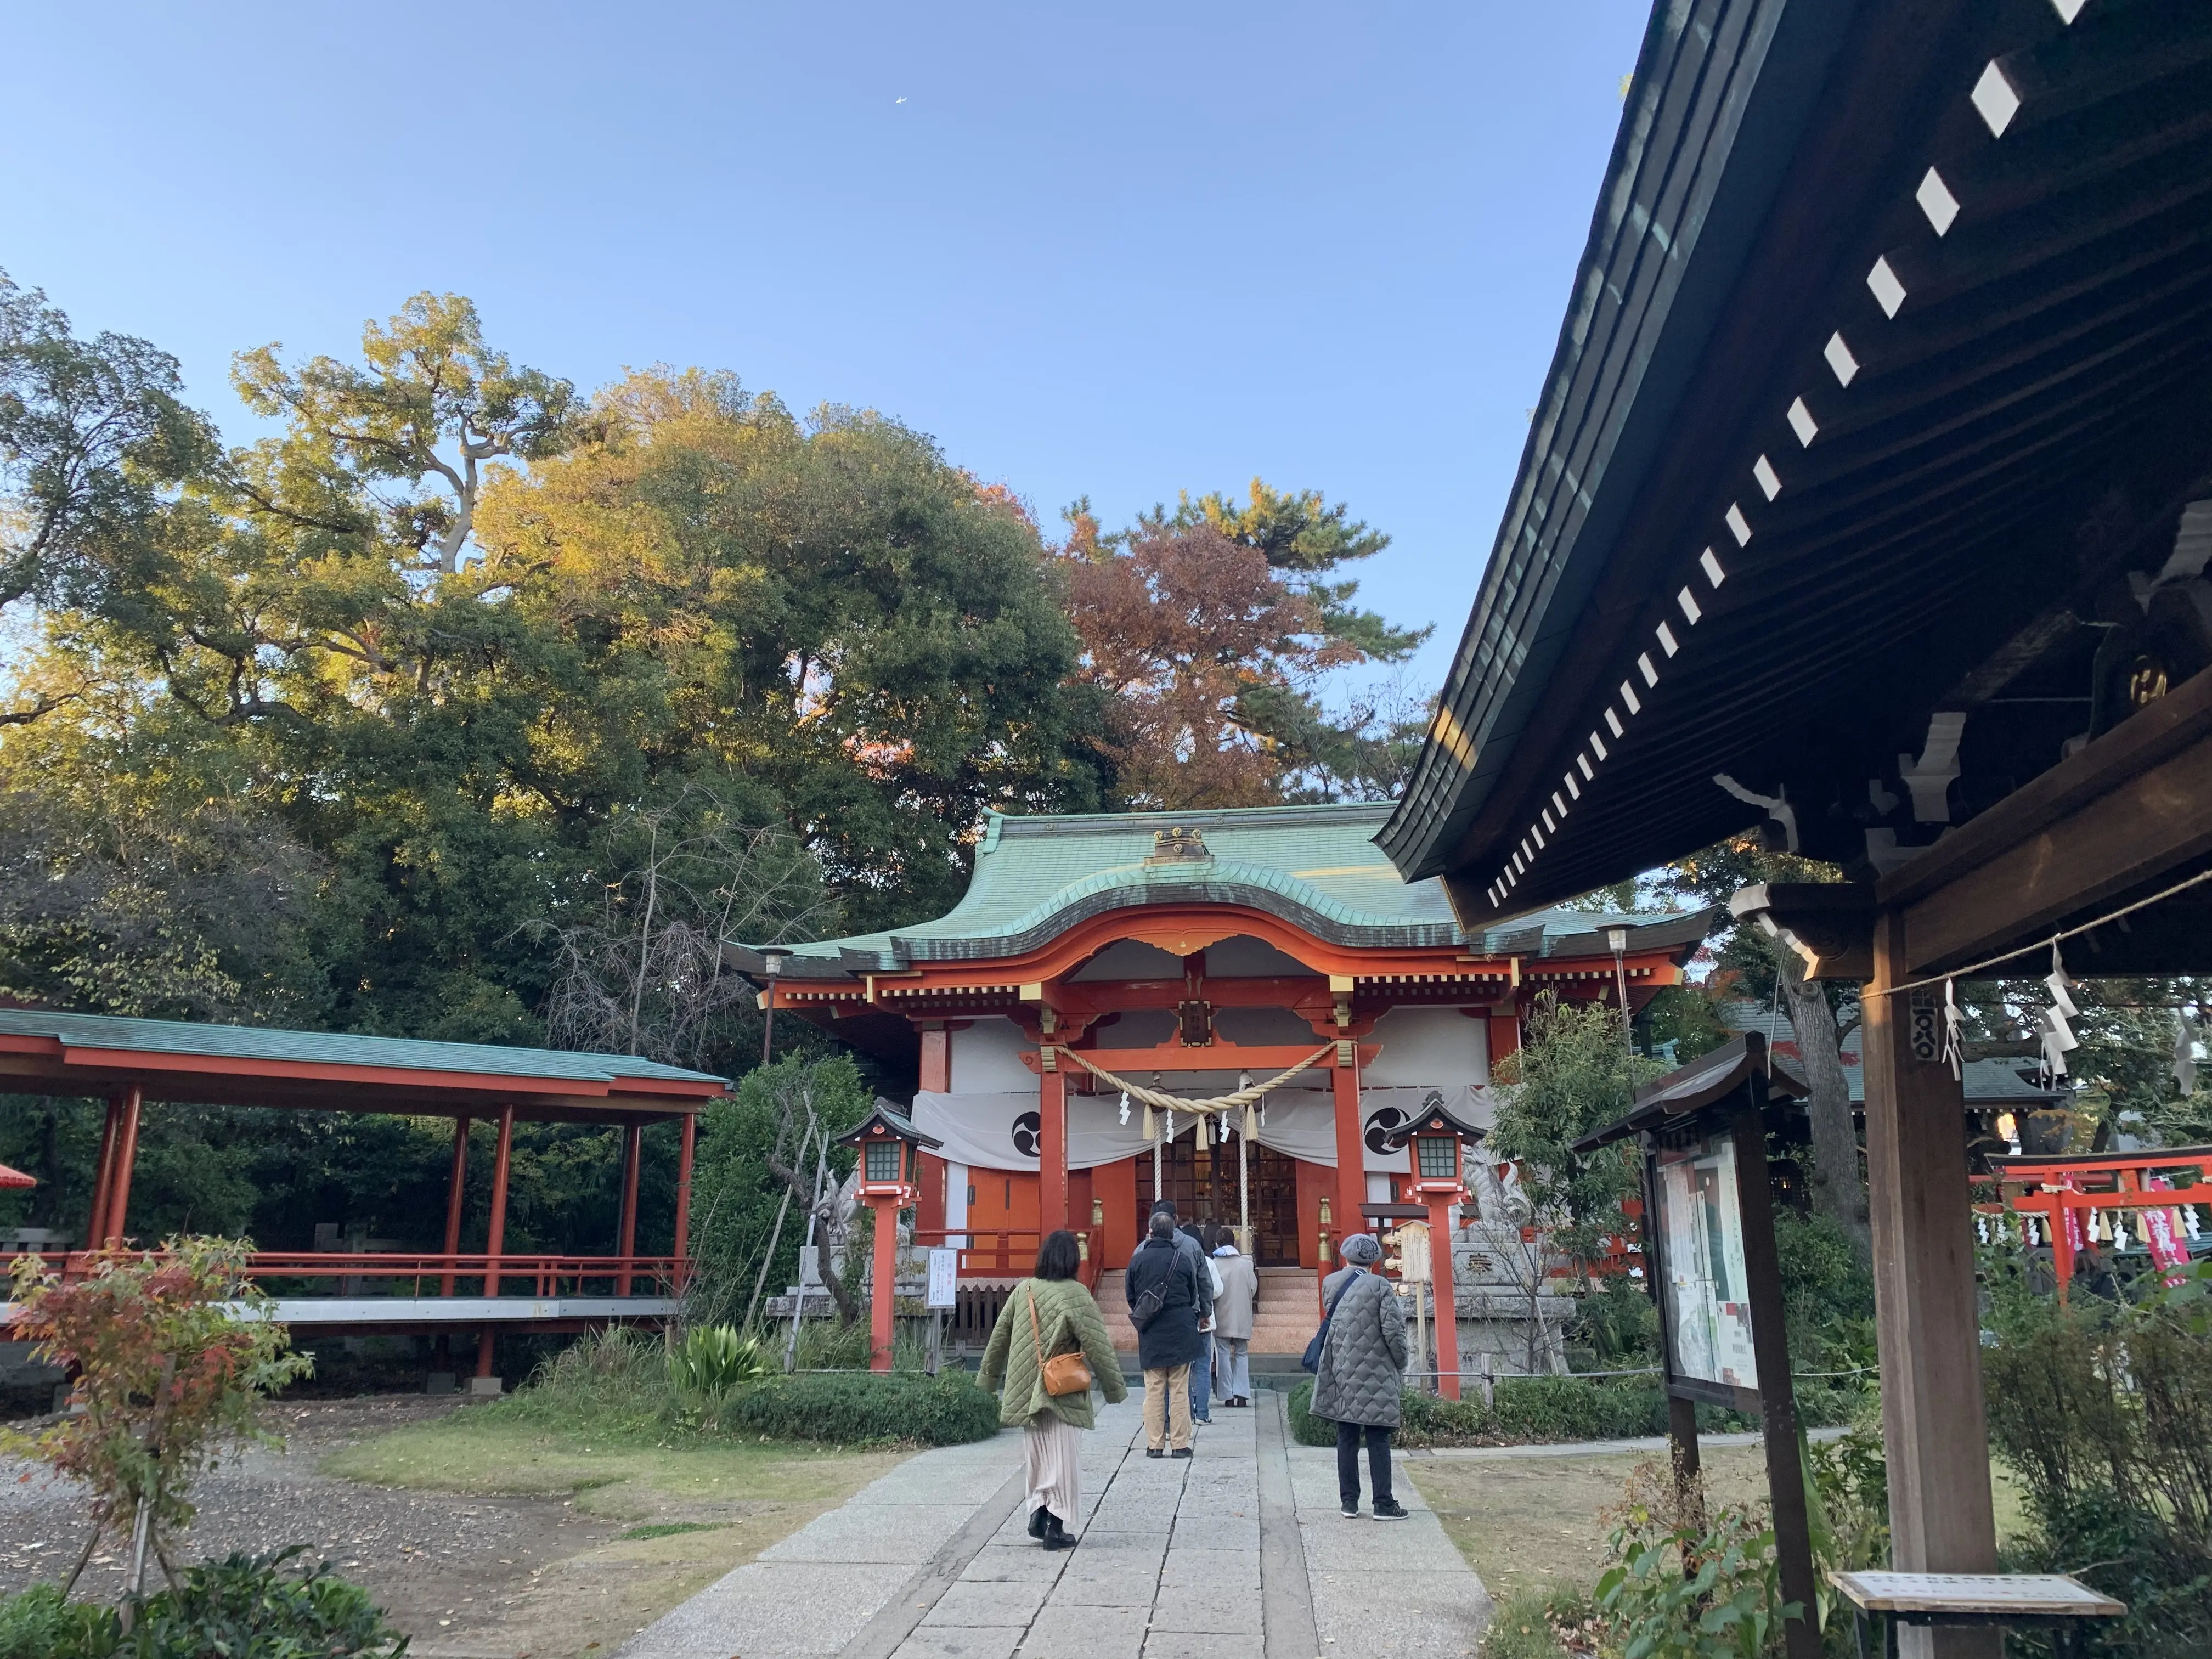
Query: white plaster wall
x: 1429, y: 1048
x: 987, y: 1058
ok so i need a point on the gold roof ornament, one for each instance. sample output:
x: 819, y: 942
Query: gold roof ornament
x: 1176, y: 845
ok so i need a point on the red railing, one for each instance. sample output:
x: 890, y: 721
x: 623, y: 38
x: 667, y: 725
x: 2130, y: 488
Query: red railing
x: 1012, y: 1253
x: 461, y: 1274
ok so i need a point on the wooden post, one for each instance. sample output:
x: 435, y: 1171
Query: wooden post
x: 1052, y: 1150
x: 455, y: 1182
x: 1440, y: 1282
x: 495, y: 1231
x: 1681, y: 1412
x: 1777, y: 1404
x: 1350, y: 1145
x: 126, y: 1155
x: 626, y: 1232
x: 1926, y: 1317
x: 687, y: 1149
x: 886, y: 1265
x: 95, y: 1226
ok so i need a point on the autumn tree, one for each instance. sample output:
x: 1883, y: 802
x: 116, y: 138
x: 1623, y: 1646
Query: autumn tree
x: 1210, y: 630
x: 171, y: 1351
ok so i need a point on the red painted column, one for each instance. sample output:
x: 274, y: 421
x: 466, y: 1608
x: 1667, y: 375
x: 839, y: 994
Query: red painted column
x: 1051, y: 1151
x: 626, y: 1232
x: 886, y: 1265
x: 1351, y: 1158
x: 119, y: 1186
x: 683, y: 1160
x: 496, y: 1233
x: 456, y: 1181
x: 936, y: 1060
x: 1446, y: 1299
x: 1504, y: 1027
x: 95, y: 1226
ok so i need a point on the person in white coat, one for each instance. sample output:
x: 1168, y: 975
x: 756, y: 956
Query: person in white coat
x: 1233, y: 1306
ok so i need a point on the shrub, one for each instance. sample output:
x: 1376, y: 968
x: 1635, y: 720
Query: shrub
x: 242, y: 1607
x: 863, y: 1408
x: 613, y: 1382
x: 1726, y: 1608
x: 1527, y: 1625
x: 1527, y: 1411
x: 711, y: 1360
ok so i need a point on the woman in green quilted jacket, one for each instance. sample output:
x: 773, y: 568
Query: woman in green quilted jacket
x: 1050, y: 1315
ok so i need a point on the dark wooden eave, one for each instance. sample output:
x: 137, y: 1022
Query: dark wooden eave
x: 2022, y: 431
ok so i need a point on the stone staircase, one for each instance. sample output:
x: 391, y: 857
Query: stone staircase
x: 1288, y: 1316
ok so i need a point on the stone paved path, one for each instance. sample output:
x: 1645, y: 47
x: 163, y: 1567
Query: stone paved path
x: 1236, y: 1553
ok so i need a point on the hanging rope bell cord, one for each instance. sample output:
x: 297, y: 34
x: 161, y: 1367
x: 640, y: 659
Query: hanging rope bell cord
x: 1168, y: 1103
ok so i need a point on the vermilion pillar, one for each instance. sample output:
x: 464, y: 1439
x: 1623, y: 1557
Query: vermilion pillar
x: 456, y: 1182
x: 886, y: 1264
x: 496, y: 1232
x: 683, y: 1158
x: 1350, y: 1146
x: 1447, y: 1297
x: 1051, y: 1151
x: 119, y: 1185
x: 95, y: 1226
x: 626, y: 1231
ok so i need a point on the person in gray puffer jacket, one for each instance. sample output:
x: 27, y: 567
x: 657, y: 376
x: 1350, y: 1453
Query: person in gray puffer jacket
x: 1362, y: 1373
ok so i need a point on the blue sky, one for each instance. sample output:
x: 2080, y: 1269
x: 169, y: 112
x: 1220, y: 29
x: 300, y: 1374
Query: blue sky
x: 1119, y: 251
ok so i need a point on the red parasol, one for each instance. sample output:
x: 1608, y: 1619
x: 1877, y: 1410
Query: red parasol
x: 14, y: 1178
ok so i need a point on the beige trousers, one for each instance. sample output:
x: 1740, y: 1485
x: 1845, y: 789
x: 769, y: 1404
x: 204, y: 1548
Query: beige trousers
x: 1167, y: 1407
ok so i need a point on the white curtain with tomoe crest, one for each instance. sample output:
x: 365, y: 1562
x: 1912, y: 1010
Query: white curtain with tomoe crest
x: 999, y: 1130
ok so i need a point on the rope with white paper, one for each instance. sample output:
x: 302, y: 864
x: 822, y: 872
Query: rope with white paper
x: 1245, y: 1097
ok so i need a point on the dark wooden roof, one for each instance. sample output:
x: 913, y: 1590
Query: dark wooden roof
x: 1886, y: 380
x: 1743, y: 1062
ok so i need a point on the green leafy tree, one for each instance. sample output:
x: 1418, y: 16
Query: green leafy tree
x: 755, y: 1183
x: 171, y: 1351
x: 94, y: 437
x: 1821, y: 1013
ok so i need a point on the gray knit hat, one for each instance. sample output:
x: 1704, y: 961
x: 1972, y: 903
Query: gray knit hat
x: 1363, y: 1250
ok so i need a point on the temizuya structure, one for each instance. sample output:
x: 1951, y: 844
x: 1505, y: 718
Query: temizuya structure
x: 1195, y: 957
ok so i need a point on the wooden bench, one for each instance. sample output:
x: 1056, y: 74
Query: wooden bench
x: 2043, y: 1601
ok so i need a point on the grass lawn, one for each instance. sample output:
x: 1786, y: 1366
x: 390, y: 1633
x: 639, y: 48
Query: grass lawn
x: 699, y: 1510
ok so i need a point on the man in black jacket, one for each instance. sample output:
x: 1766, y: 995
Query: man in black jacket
x: 1165, y: 1281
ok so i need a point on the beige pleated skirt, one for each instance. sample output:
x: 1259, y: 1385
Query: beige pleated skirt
x: 1052, y: 1452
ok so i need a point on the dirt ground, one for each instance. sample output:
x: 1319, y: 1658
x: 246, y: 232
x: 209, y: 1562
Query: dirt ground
x: 539, y: 1567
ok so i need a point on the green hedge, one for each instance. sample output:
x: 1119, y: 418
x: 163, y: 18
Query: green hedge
x: 849, y: 1409
x: 1528, y: 1411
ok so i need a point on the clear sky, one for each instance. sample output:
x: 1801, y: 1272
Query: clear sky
x: 1119, y: 250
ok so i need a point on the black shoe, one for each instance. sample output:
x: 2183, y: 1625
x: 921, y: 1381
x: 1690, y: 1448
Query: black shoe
x: 1185, y: 1452
x: 1393, y: 1510
x: 1349, y: 1511
x: 1156, y: 1451
x: 1038, y: 1517
x: 1056, y: 1535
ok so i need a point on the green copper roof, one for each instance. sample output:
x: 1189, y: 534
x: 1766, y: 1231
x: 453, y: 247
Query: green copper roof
x: 258, y: 1043
x: 1316, y: 867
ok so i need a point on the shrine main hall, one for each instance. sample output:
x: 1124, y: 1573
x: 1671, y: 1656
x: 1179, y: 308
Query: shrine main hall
x: 1193, y: 954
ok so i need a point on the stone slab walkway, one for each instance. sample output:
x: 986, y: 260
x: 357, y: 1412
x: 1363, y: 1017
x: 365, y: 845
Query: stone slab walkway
x: 1236, y: 1553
